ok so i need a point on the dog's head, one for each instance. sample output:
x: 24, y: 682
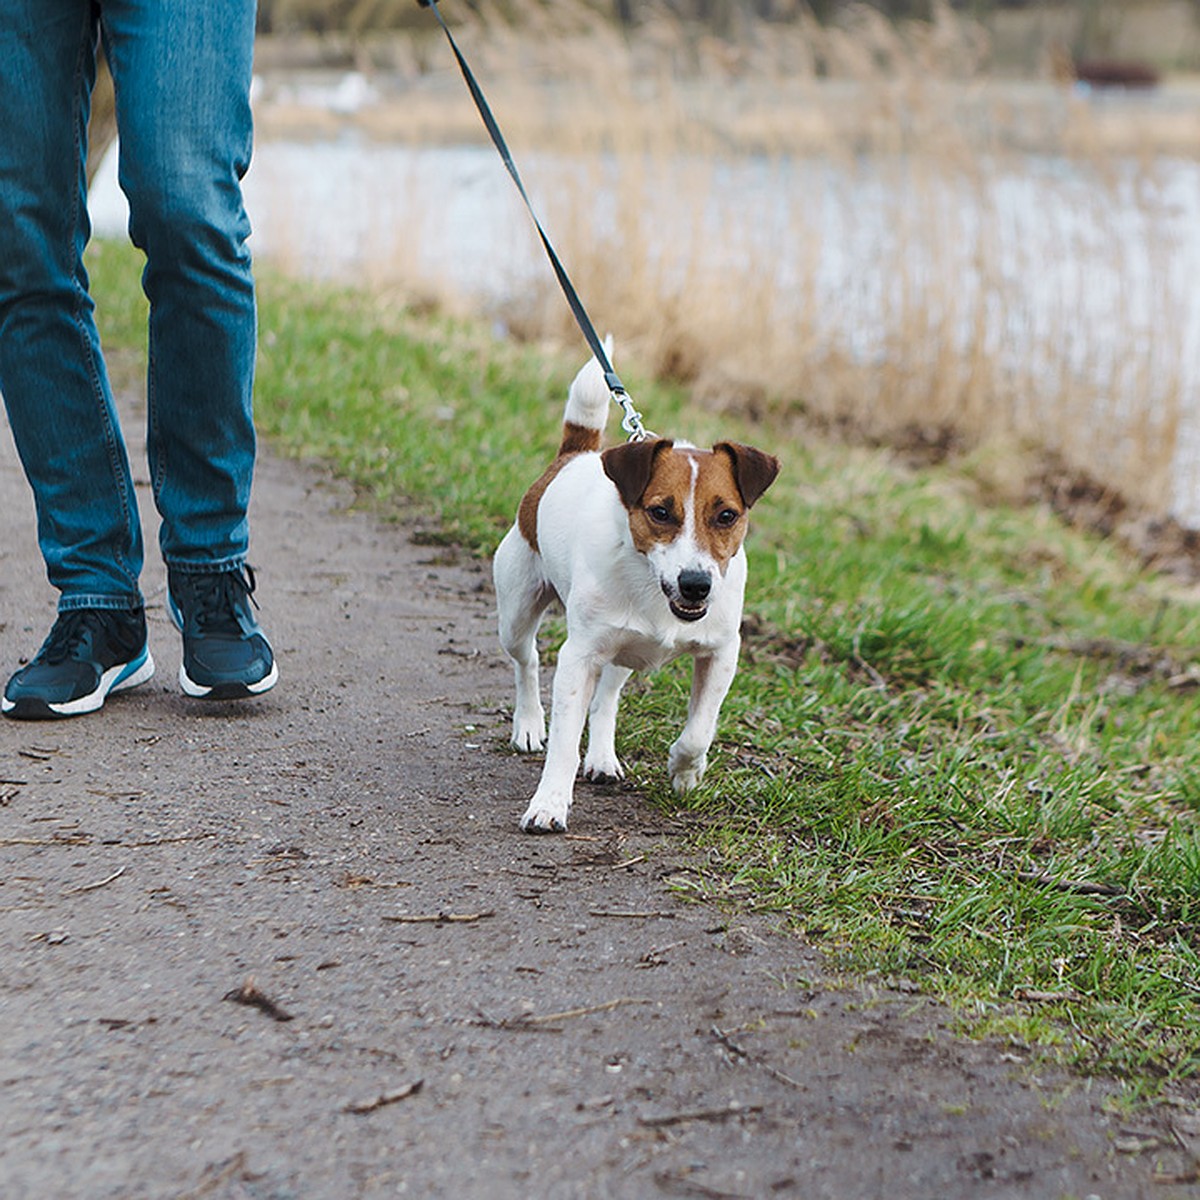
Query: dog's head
x: 687, y: 510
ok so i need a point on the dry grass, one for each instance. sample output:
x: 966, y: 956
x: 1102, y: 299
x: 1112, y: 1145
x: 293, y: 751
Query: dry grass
x: 887, y: 150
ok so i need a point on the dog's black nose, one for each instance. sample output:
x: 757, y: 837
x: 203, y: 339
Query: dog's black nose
x: 694, y: 586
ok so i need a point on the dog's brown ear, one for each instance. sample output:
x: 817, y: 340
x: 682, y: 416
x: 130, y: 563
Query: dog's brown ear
x: 753, y: 470
x: 630, y: 466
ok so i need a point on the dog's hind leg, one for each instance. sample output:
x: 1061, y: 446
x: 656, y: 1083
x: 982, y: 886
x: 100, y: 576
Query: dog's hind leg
x: 522, y: 595
x: 601, y: 762
x: 711, y: 678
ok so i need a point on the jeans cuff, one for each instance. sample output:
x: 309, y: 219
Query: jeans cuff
x: 209, y: 566
x: 113, y: 603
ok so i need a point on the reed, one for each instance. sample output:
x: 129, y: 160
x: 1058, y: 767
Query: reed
x: 869, y: 265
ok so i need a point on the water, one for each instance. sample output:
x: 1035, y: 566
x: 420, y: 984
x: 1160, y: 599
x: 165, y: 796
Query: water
x: 1112, y: 272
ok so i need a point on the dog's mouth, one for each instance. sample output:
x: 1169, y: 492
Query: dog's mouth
x: 688, y: 612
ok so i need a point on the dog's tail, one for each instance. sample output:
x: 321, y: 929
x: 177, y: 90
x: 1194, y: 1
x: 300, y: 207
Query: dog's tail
x: 587, y: 407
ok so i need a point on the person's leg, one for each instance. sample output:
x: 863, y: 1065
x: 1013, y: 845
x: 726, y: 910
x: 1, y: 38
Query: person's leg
x: 52, y: 374
x: 182, y: 76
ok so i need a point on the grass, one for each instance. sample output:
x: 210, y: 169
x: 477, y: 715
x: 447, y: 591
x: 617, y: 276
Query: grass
x: 961, y: 750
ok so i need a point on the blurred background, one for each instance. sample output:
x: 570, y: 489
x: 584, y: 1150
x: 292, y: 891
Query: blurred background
x: 964, y: 230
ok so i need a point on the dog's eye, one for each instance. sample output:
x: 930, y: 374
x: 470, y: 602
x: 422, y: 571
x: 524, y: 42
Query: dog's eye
x: 726, y: 517
x: 660, y: 513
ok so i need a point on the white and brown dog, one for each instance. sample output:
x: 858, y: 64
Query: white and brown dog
x: 642, y: 544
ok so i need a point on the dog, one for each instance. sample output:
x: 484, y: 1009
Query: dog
x: 642, y: 545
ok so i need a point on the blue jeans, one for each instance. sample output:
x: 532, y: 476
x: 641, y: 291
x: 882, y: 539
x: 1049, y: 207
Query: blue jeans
x: 182, y: 71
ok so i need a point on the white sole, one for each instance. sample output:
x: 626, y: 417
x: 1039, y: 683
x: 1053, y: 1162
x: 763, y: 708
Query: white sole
x: 233, y: 691
x: 113, y: 680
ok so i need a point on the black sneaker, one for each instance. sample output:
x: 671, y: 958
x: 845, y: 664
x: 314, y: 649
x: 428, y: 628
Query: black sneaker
x: 90, y: 652
x: 226, y: 655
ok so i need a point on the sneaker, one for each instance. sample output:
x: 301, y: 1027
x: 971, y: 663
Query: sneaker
x: 90, y: 652
x: 226, y: 655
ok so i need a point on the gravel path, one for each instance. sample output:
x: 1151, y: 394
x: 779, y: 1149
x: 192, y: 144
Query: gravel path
x: 571, y: 1028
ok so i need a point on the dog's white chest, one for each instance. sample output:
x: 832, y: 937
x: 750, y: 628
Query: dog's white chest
x: 645, y: 644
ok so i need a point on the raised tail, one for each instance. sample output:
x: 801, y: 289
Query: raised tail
x: 587, y: 407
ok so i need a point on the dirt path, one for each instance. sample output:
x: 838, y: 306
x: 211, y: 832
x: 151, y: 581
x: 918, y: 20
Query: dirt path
x: 588, y: 1034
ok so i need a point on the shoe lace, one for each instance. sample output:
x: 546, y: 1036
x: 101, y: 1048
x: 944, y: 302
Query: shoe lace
x: 218, y: 598
x: 71, y: 630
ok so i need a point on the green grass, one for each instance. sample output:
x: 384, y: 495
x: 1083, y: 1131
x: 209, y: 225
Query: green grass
x: 962, y: 746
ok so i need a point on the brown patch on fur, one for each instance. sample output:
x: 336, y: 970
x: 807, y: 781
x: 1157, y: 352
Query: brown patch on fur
x: 578, y: 439
x: 667, y: 492
x: 720, y: 509
x: 528, y: 510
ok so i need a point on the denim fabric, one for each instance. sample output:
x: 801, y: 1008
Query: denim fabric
x: 182, y: 71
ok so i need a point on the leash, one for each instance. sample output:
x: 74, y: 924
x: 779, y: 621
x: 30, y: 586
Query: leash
x: 631, y: 422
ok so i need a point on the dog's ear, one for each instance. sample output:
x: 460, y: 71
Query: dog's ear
x: 630, y: 466
x: 753, y: 470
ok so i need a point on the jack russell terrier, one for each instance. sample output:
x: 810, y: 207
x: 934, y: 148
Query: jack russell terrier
x: 642, y: 544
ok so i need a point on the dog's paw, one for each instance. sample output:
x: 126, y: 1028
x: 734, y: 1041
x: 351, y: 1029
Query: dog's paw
x: 528, y: 734
x: 603, y: 769
x: 544, y: 818
x: 686, y: 770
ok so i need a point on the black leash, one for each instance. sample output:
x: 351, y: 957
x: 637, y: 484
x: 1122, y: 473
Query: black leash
x: 632, y: 421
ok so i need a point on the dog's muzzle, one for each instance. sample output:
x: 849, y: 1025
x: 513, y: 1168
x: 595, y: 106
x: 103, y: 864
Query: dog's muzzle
x: 689, y: 598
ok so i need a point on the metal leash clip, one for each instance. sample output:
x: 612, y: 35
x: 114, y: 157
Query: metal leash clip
x: 631, y: 422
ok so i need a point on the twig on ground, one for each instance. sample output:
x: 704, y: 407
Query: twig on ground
x: 1179, y: 1178
x: 1081, y: 887
x: 632, y: 914
x: 249, y: 994
x: 441, y: 918
x: 877, y: 680
x: 682, y: 1184
x: 1038, y: 997
x: 91, y: 887
x: 588, y: 1009
x: 629, y: 862
x: 169, y: 841
x: 385, y: 1098
x: 79, y: 840
x: 352, y: 881
x: 654, y: 957
x: 1181, y: 982
x: 743, y: 1053
x: 734, y: 1109
x: 546, y: 1020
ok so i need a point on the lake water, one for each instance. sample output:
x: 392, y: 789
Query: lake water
x: 1113, y: 273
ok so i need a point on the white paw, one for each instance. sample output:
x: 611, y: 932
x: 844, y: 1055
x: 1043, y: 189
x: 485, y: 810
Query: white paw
x: 686, y: 770
x: 542, y: 817
x: 603, y: 768
x: 529, y: 732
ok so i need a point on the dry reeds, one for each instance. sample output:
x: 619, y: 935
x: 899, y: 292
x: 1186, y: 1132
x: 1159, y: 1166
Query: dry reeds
x: 857, y: 222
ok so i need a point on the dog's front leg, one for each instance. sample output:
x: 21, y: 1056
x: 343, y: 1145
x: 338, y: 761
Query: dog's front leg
x: 601, y: 762
x: 574, y: 683
x: 711, y: 677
